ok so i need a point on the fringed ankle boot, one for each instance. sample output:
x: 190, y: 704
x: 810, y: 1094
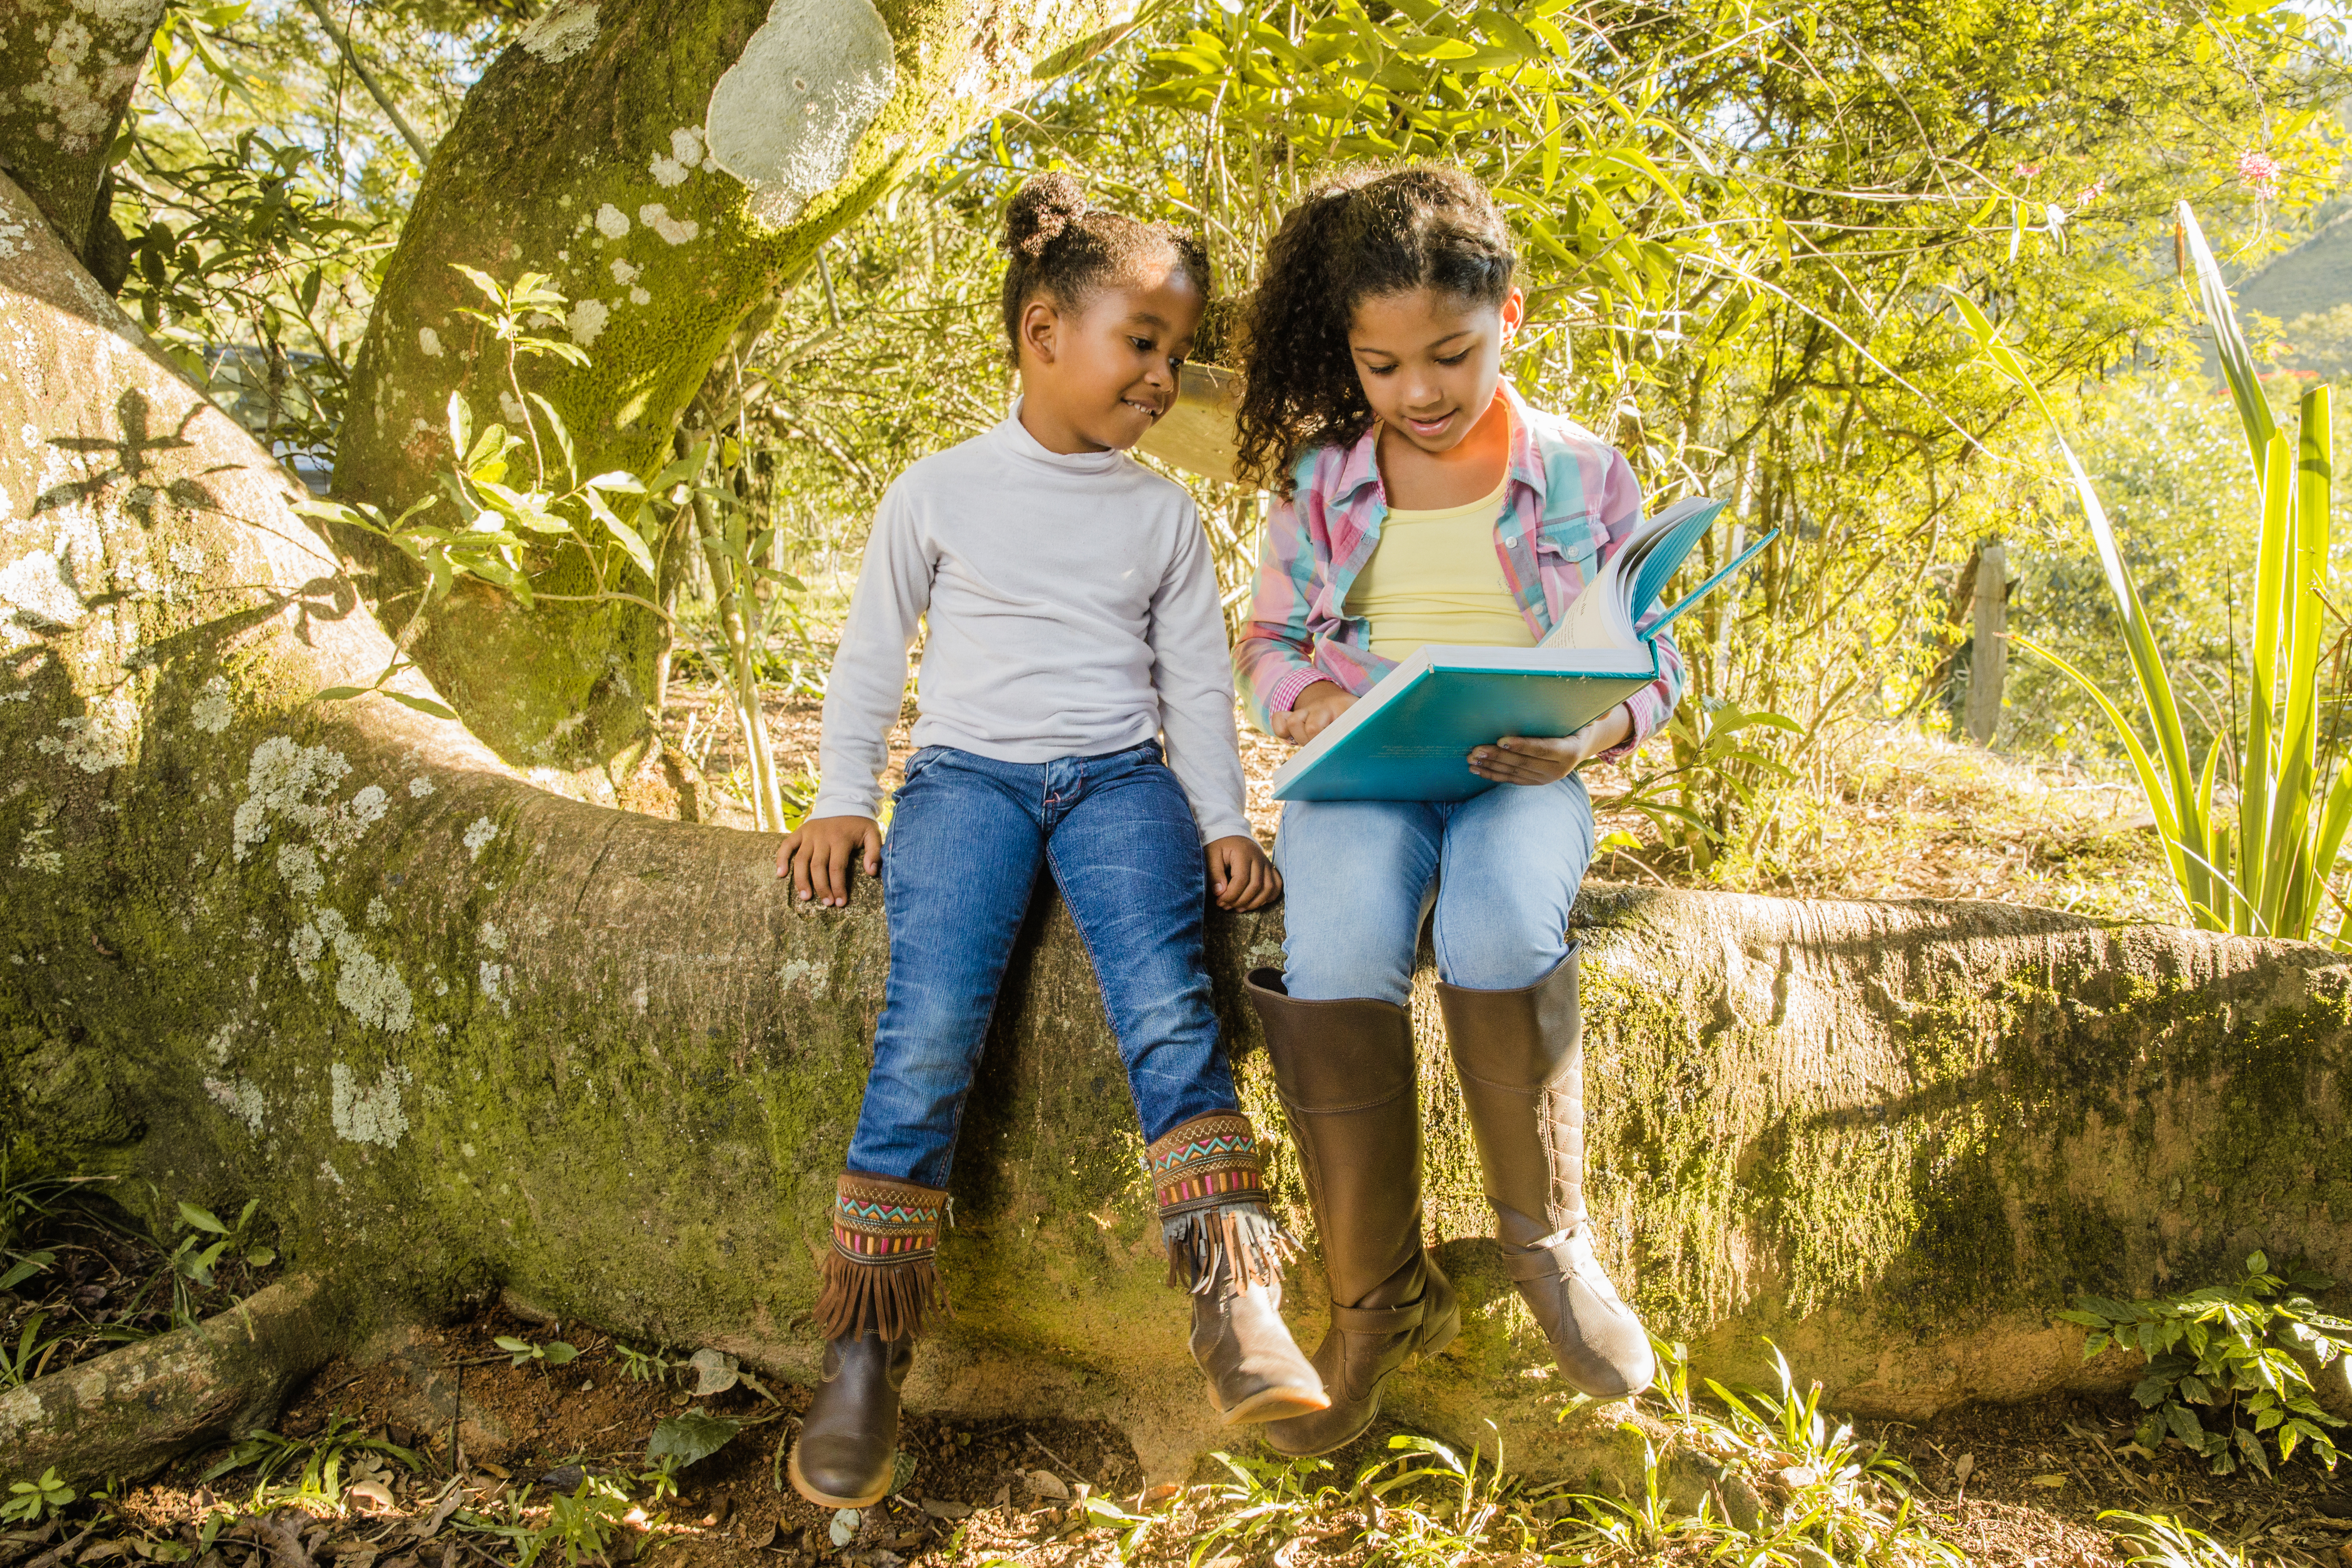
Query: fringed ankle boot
x: 880, y: 1287
x: 1520, y: 1055
x: 1345, y: 1072
x: 1225, y: 1247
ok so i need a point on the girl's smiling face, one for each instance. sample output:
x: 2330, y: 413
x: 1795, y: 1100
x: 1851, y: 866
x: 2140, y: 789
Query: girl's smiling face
x: 1429, y: 362
x: 1098, y: 378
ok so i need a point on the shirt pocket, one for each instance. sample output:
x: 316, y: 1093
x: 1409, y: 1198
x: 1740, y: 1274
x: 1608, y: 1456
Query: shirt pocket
x: 1569, y: 540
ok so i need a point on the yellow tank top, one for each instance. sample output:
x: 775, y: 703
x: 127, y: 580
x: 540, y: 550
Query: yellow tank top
x: 1434, y: 578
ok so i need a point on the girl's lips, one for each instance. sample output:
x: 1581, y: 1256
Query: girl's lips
x: 1428, y: 427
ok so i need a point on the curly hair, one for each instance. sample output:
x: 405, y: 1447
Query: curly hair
x: 1067, y: 251
x: 1359, y: 234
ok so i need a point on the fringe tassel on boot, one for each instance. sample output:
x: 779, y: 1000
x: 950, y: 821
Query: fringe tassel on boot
x: 1212, y: 1196
x: 880, y: 1275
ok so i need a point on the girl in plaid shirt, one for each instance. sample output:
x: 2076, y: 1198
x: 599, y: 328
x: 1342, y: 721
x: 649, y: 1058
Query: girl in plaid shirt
x: 1425, y: 501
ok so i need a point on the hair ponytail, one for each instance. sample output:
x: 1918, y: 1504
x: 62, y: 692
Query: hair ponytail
x: 1362, y: 233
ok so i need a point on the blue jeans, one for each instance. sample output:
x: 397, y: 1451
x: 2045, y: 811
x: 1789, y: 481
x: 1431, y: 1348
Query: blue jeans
x: 1357, y: 877
x: 968, y: 838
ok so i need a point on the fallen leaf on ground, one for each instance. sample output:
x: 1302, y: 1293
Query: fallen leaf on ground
x: 1963, y: 1468
x: 845, y: 1527
x: 2052, y: 1481
x: 376, y: 1492
x: 940, y: 1508
x: 761, y: 1536
x: 715, y: 1372
x: 1046, y: 1483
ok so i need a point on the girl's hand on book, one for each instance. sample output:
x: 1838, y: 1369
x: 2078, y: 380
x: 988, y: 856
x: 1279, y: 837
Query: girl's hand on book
x: 1240, y: 873
x: 1532, y: 760
x: 817, y: 856
x: 1312, y: 714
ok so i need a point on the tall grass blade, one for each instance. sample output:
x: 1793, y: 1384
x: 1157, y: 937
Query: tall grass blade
x: 2228, y: 342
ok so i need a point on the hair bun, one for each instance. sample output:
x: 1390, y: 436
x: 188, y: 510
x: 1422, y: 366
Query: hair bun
x: 1044, y: 206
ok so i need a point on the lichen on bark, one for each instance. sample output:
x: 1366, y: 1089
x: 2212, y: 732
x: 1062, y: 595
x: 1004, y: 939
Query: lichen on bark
x: 67, y: 71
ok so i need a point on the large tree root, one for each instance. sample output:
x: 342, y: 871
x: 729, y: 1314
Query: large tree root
x: 131, y: 1410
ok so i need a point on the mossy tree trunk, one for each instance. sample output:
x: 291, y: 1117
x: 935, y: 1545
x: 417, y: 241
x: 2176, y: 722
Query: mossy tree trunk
x: 67, y: 71
x: 457, y: 1033
x: 668, y: 163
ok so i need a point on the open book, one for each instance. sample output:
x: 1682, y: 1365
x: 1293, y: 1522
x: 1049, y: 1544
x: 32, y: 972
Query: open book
x: 1410, y: 736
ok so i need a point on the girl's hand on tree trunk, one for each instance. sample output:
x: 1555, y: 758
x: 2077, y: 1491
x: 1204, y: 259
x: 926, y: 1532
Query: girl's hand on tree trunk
x: 817, y: 856
x: 1240, y: 873
x: 1532, y: 760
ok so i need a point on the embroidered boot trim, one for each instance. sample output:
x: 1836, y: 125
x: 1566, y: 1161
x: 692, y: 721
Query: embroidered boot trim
x: 879, y: 1275
x: 1213, y: 1217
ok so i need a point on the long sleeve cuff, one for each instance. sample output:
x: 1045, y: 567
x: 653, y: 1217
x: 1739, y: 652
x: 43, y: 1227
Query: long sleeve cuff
x: 844, y: 800
x: 1285, y: 690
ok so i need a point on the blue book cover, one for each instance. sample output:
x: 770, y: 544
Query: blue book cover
x: 1410, y: 737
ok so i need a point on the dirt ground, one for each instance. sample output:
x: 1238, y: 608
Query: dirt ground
x: 2019, y: 1487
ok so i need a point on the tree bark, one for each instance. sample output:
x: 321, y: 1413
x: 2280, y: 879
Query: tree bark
x: 1988, y: 644
x: 67, y: 71
x: 667, y: 163
x: 458, y: 1033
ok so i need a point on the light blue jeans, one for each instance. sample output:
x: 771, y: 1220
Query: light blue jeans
x: 1358, y: 876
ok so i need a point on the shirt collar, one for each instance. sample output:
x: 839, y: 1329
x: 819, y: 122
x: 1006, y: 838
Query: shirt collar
x: 1362, y: 467
x: 1020, y: 444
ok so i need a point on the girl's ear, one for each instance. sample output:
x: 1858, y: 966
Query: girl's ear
x: 1515, y: 313
x: 1040, y: 330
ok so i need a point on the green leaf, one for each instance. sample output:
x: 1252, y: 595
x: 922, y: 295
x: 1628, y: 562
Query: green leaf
x: 557, y: 1352
x: 200, y: 1219
x: 26, y: 1264
x: 694, y: 1435
x: 622, y: 533
x: 431, y: 710
x: 461, y: 423
x: 2185, y: 1426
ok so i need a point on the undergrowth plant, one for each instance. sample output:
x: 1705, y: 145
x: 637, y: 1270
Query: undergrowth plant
x: 29, y: 1503
x: 317, y: 1464
x: 1744, y: 1476
x: 2267, y: 872
x: 2158, y: 1541
x: 2234, y: 1351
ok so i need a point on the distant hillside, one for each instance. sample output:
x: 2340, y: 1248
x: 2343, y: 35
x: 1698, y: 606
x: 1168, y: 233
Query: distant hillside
x: 2315, y: 275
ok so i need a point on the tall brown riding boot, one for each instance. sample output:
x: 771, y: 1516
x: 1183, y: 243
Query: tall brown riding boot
x: 1225, y: 1247
x: 1345, y: 1072
x: 1520, y: 1055
x: 879, y: 1288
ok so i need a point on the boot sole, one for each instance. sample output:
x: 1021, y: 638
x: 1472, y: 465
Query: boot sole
x: 1276, y: 1405
x: 826, y: 1499
x: 1431, y: 1342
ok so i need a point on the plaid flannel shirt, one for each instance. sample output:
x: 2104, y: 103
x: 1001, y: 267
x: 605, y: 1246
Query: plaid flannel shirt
x: 1572, y: 503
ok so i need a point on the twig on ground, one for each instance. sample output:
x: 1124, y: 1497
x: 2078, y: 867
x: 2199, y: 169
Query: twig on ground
x: 56, y: 1555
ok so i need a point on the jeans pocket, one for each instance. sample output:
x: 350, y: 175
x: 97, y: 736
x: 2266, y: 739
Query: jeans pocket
x: 917, y: 764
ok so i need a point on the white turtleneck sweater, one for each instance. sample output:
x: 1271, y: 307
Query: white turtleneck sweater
x: 1072, y: 611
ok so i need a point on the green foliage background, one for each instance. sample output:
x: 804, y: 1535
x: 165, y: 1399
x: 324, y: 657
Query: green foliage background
x: 1742, y: 222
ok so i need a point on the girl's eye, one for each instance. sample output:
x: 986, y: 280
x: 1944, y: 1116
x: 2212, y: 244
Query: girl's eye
x: 1142, y: 346
x: 1380, y: 370
x: 1457, y: 359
